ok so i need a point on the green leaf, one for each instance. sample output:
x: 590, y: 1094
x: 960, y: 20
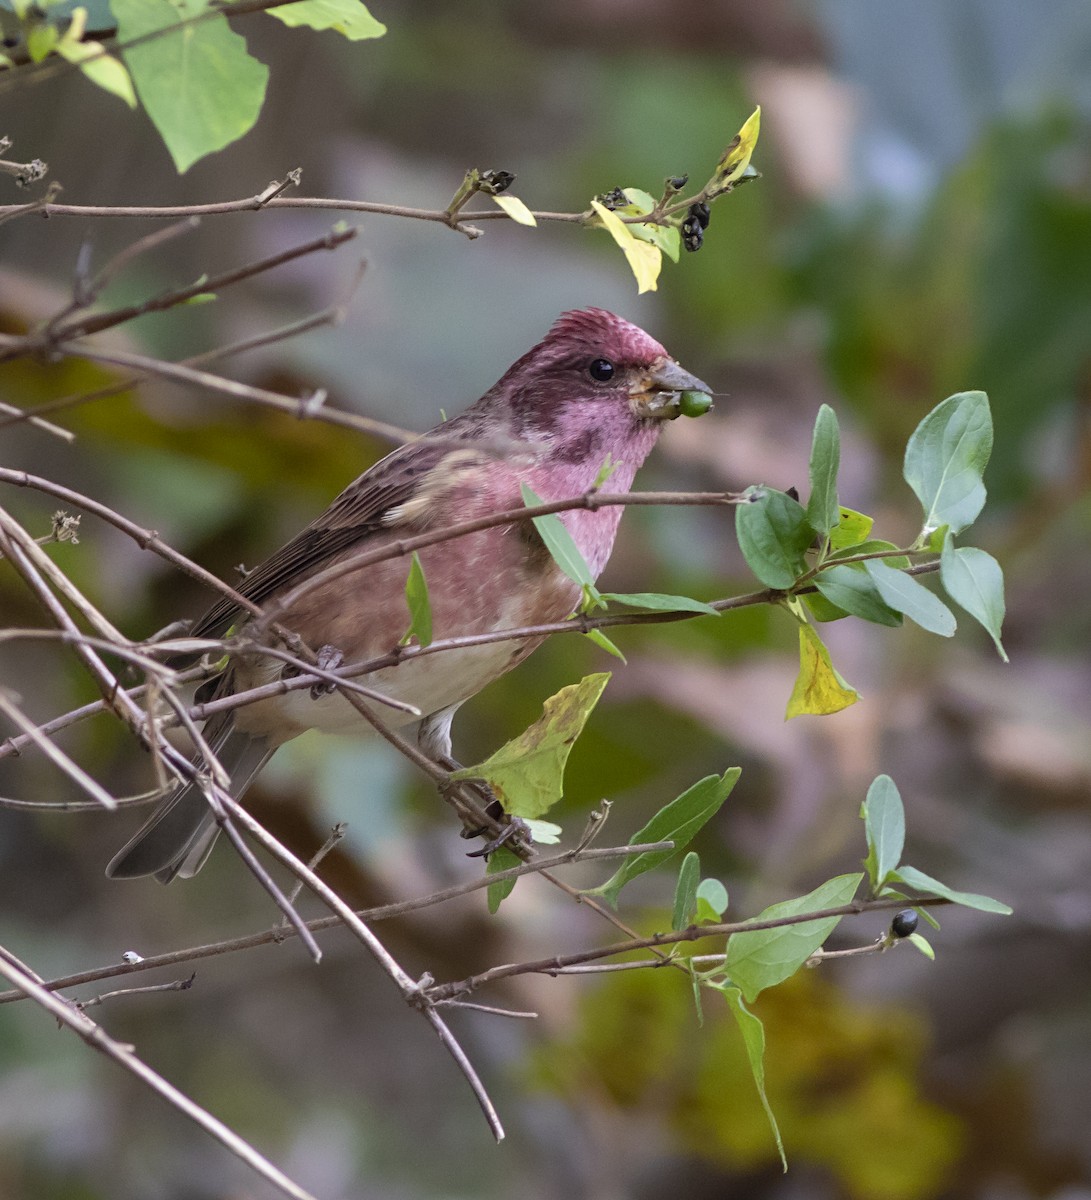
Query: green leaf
x: 819, y: 690
x: 660, y: 602
x: 349, y: 18
x: 678, y: 822
x: 851, y: 529
x: 870, y: 546
x: 767, y: 957
x: 420, y: 608
x: 905, y: 595
x: 102, y: 69
x: 644, y: 259
x: 515, y: 208
x: 685, y: 892
x: 884, y: 825
x: 666, y: 237
x: 973, y: 579
x: 821, y: 608
x: 198, y: 84
x: 527, y: 773
x: 711, y: 900
x: 823, y: 511
x: 946, y: 458
x: 604, y: 643
x: 852, y: 589
x: 41, y: 40
x: 500, y: 860
x: 559, y: 542
x: 753, y: 1036
x: 923, y: 945
x: 913, y: 878
x: 773, y: 534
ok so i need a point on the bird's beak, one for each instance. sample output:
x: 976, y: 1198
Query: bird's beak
x: 658, y: 395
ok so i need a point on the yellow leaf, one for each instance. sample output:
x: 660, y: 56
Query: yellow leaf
x: 644, y: 259
x: 516, y: 209
x: 819, y: 689
x: 736, y: 158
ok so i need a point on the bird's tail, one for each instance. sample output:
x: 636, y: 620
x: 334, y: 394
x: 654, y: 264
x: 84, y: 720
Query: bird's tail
x: 177, y: 838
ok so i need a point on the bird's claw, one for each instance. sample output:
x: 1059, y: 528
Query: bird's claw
x: 515, y: 830
x: 329, y: 659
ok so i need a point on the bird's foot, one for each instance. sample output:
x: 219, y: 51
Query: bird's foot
x: 515, y: 832
x: 329, y: 659
x: 512, y: 829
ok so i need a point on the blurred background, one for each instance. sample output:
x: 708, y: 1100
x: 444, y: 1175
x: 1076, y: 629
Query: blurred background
x: 923, y: 226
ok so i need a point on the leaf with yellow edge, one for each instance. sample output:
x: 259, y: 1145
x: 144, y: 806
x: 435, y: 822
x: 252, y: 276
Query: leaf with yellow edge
x: 644, y: 259
x: 515, y: 209
x: 736, y: 158
x: 527, y: 773
x: 819, y: 689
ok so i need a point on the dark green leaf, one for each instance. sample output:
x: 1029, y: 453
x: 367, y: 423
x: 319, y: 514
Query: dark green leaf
x: 905, y: 595
x: 774, y: 535
x: 677, y: 822
x: 871, y: 546
x: 753, y: 1036
x: 659, y: 602
x: 766, y: 957
x: 199, y: 85
x: 685, y: 893
x: 973, y: 579
x: 823, y: 511
x: 559, y: 542
x: 946, y: 457
x: 884, y: 825
x: 821, y: 609
x: 851, y: 588
x: 913, y: 878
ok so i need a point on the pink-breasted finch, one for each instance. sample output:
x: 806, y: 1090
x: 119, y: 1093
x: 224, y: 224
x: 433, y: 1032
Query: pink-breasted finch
x: 596, y: 389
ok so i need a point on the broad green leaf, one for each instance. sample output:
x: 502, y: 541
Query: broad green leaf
x: 736, y: 158
x: 765, y: 957
x: 644, y: 259
x: 973, y: 579
x: 852, y: 589
x: 923, y: 945
x: 500, y: 860
x: 852, y: 528
x: 199, y: 85
x: 711, y: 900
x: 905, y: 595
x: 946, y: 458
x: 350, y: 18
x: 685, y: 892
x: 819, y: 689
x: 604, y: 643
x: 660, y: 602
x: 515, y: 208
x: 420, y: 608
x: 559, y: 542
x: 101, y: 68
x: 823, y: 511
x: 913, y: 878
x: 870, y: 546
x: 884, y: 825
x: 773, y: 534
x: 527, y: 773
x: 677, y: 822
x: 753, y: 1036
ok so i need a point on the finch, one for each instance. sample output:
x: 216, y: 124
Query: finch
x: 595, y: 390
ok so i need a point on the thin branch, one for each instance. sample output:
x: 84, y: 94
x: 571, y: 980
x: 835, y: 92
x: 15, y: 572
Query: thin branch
x: 175, y: 985
x: 267, y: 937
x: 98, y: 1039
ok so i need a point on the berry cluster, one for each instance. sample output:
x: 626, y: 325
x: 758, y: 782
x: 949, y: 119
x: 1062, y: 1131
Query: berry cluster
x: 694, y: 226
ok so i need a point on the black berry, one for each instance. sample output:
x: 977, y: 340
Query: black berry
x: 701, y: 213
x: 904, y: 923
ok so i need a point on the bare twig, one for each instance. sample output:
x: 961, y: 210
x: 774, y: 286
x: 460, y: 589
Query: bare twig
x: 175, y: 985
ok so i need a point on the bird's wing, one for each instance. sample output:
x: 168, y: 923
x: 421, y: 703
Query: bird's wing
x: 357, y: 513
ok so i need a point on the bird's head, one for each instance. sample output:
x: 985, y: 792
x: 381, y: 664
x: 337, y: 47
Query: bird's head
x: 595, y: 366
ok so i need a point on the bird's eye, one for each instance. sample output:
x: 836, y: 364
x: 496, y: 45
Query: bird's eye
x: 601, y: 370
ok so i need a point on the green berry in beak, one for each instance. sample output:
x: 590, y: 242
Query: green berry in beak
x: 694, y: 404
